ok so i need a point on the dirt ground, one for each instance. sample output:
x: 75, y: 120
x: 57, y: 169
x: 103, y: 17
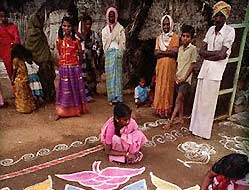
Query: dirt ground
x: 22, y: 134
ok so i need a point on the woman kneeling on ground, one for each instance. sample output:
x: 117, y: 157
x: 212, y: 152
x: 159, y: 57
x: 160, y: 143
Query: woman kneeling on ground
x: 121, y: 137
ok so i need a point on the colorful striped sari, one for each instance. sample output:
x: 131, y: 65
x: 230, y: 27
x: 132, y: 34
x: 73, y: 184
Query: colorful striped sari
x: 71, y: 99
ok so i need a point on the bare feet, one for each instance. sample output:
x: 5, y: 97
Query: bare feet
x: 167, y: 126
x: 178, y: 121
x: 134, y: 158
x: 170, y: 123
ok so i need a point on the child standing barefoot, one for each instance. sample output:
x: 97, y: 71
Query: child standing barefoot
x: 34, y: 80
x: 187, y: 55
x: 23, y: 96
x: 71, y: 99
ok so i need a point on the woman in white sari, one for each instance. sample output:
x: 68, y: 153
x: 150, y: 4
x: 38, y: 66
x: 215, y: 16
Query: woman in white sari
x: 113, y: 39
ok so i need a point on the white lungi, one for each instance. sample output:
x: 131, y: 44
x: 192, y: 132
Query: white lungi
x: 203, y: 111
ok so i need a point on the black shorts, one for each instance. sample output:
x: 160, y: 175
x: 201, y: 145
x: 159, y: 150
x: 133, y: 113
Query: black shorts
x: 183, y: 88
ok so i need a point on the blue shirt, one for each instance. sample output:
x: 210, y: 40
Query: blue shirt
x: 141, y: 93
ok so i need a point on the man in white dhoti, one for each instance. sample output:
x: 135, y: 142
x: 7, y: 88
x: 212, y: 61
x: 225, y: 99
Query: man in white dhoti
x: 216, y: 50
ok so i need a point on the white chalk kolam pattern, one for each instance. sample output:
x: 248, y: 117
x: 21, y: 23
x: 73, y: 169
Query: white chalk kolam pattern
x: 236, y: 144
x: 153, y: 124
x: 166, y: 137
x: 195, y: 153
x: 235, y: 125
x: 200, y: 153
x: 45, y: 151
x: 63, y: 147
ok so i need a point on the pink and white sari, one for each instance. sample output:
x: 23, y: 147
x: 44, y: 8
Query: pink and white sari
x: 131, y: 140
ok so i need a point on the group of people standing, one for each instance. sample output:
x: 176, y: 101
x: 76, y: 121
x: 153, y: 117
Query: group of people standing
x: 80, y: 51
x: 29, y: 66
x: 79, y: 66
x: 120, y: 135
x: 82, y: 47
x: 175, y: 65
x: 176, y: 58
x: 21, y: 70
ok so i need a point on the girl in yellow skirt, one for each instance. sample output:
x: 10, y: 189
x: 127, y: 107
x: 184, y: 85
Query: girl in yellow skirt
x: 23, y: 96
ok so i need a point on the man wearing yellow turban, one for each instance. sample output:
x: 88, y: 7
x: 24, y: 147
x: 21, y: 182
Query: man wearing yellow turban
x: 222, y: 7
x: 216, y: 50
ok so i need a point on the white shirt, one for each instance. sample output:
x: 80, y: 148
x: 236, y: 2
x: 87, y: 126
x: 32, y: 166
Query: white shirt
x: 32, y: 68
x: 115, y: 38
x: 114, y: 45
x: 213, y: 70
